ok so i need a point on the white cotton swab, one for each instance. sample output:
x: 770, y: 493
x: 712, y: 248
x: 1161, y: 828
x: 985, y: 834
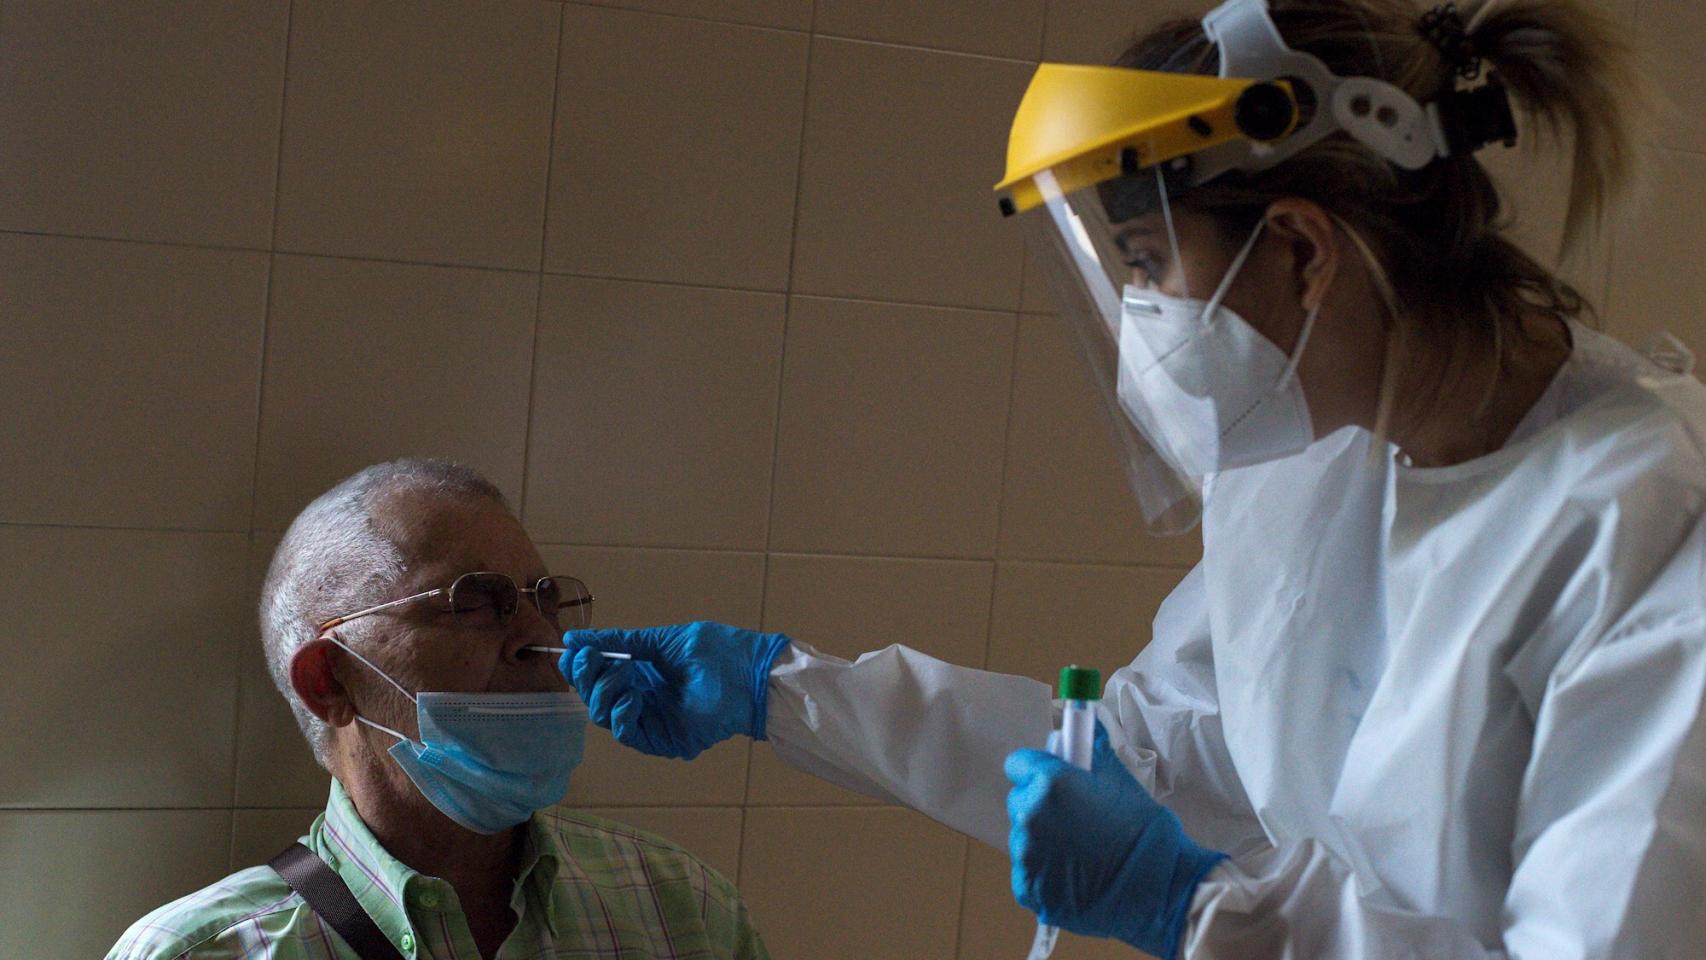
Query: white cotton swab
x: 611, y: 654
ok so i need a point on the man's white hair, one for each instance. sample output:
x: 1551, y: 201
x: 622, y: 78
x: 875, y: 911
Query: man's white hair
x: 336, y: 559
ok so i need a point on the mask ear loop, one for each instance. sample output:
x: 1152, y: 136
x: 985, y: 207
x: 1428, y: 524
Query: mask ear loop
x: 377, y: 726
x: 1172, y: 234
x: 1302, y: 342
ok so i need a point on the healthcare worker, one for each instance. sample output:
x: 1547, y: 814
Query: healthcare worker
x: 1436, y: 687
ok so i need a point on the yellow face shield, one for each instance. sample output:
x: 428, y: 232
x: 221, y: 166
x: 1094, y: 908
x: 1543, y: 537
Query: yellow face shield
x: 1093, y: 151
x: 1088, y: 125
x: 1085, y: 125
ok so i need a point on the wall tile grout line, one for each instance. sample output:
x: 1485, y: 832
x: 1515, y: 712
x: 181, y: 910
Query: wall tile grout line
x: 231, y: 847
x: 943, y: 51
x: 965, y: 894
x: 923, y: 304
x: 994, y: 579
x: 123, y: 528
x: 539, y: 285
x: 577, y: 805
x: 260, y: 402
x: 1001, y: 487
x: 660, y: 806
x: 1042, y: 42
x: 811, y: 31
x: 691, y: 17
x: 740, y: 854
x: 740, y: 846
x: 168, y: 808
x: 897, y: 557
x: 237, y: 703
x: 272, y: 260
x: 782, y: 378
x: 141, y: 241
x: 610, y: 278
x: 656, y: 547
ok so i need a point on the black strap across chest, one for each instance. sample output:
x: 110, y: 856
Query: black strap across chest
x: 330, y: 897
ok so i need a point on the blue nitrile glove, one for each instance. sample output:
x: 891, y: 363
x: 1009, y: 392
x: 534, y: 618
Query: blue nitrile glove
x: 689, y: 686
x: 1094, y: 853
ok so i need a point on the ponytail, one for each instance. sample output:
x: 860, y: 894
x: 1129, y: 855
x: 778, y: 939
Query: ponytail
x: 1571, y: 71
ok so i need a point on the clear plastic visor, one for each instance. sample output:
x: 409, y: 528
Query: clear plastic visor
x: 1076, y: 238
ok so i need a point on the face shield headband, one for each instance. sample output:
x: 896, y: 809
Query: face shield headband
x: 1377, y: 114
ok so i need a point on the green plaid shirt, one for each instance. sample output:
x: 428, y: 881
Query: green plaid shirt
x: 590, y: 889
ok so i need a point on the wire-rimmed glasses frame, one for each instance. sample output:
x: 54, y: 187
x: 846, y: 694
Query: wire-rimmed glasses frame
x: 481, y: 588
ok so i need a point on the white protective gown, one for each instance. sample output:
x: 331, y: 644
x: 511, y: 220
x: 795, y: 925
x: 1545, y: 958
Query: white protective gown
x: 1441, y: 713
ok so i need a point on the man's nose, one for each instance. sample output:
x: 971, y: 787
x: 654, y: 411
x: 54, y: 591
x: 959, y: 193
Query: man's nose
x: 528, y: 628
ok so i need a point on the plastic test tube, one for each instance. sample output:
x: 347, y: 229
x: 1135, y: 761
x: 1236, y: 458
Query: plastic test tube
x: 1080, y: 688
x: 609, y: 654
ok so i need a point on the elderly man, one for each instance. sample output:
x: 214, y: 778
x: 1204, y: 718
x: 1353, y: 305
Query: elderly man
x: 398, y: 618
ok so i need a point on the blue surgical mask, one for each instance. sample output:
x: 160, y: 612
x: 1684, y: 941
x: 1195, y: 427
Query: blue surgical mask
x: 488, y: 760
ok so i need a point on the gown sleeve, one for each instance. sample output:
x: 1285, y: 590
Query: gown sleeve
x: 905, y: 727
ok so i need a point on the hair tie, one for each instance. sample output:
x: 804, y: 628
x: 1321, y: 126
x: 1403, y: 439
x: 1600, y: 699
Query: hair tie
x: 1443, y: 27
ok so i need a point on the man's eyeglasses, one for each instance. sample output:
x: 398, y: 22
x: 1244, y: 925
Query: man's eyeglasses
x: 563, y: 601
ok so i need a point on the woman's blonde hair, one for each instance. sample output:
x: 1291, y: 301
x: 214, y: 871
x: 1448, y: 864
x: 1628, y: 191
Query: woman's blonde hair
x: 1435, y: 240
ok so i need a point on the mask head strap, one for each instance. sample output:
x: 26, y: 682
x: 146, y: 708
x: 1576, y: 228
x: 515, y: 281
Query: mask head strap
x: 1172, y: 233
x: 1226, y: 286
x: 1213, y: 307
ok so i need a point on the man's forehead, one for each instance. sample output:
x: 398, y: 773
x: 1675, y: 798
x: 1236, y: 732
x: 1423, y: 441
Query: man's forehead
x: 442, y: 538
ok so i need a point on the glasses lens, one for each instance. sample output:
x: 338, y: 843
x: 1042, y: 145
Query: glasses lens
x: 565, y: 602
x: 480, y: 591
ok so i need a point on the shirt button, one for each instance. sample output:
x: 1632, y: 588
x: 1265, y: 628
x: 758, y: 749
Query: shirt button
x: 428, y: 899
x: 331, y: 860
x: 408, y: 942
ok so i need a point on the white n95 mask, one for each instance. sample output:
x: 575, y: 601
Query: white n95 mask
x: 1205, y: 384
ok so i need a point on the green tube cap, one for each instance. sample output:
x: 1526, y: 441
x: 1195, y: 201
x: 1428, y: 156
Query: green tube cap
x: 1080, y: 683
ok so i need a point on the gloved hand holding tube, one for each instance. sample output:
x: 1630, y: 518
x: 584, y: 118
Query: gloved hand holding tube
x: 687, y: 687
x: 1080, y: 689
x: 1095, y: 854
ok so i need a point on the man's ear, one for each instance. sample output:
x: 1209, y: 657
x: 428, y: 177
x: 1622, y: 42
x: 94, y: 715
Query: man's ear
x: 1313, y: 238
x: 315, y: 682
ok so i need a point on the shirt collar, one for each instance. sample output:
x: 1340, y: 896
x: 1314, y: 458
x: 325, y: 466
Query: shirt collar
x: 540, y: 861
x: 381, y: 882
x: 377, y: 879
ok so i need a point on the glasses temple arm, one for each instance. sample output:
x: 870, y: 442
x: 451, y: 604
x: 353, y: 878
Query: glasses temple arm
x: 335, y: 621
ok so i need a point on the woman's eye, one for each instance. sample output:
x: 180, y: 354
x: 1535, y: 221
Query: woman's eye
x: 1146, y: 269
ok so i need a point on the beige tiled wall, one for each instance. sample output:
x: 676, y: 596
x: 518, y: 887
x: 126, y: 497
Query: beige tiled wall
x: 714, y: 289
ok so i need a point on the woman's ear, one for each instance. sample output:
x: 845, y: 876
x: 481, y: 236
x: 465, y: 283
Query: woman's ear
x: 1312, y: 237
x: 316, y: 684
